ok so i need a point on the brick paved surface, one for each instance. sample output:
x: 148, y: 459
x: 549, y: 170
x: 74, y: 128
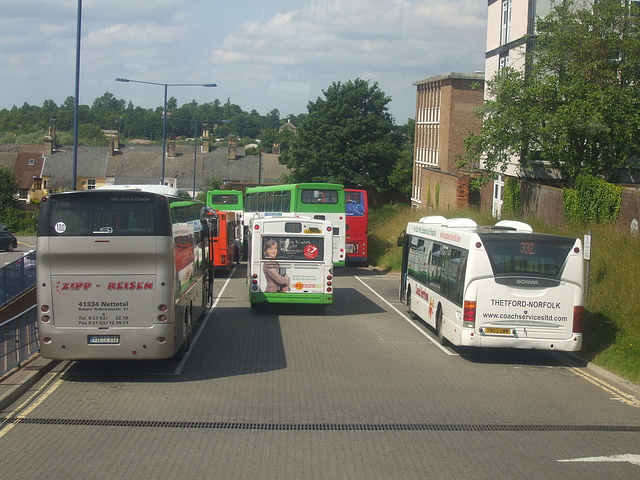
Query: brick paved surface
x: 353, y: 390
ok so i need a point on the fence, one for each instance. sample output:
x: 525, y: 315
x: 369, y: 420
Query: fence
x: 18, y: 339
x: 17, y: 277
x: 18, y: 335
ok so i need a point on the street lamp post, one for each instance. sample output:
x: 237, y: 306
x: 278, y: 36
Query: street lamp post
x: 164, y: 111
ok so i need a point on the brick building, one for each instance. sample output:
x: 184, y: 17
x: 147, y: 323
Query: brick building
x: 445, y: 113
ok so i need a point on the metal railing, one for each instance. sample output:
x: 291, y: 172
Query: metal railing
x: 18, y: 339
x: 17, y: 277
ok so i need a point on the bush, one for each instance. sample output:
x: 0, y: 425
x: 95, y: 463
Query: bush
x: 25, y: 222
x: 593, y: 201
x: 511, y: 197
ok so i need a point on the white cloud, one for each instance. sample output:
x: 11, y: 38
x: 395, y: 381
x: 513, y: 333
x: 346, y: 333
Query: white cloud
x: 264, y: 54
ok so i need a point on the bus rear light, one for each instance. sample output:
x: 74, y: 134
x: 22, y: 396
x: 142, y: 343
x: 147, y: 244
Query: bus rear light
x: 255, y: 275
x: 223, y: 259
x: 578, y: 312
x: 161, y: 340
x: 46, y: 340
x: 45, y: 319
x: 255, y: 282
x: 329, y: 277
x: 329, y: 289
x: 257, y: 227
x: 329, y: 284
x: 162, y: 318
x: 328, y: 229
x: 44, y: 308
x: 469, y: 315
x: 162, y: 308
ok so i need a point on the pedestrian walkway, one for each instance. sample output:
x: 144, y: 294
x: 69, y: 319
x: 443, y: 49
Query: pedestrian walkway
x: 17, y: 382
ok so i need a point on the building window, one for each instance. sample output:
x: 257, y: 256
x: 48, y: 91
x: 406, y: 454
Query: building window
x: 504, y: 61
x: 91, y: 183
x: 32, y: 161
x: 506, y: 21
x: 37, y: 183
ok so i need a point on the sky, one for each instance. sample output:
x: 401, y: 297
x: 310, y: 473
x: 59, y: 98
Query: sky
x: 262, y: 54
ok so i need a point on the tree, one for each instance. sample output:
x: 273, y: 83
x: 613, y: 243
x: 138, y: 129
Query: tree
x: 8, y: 190
x: 576, y: 105
x: 347, y: 137
x: 401, y: 178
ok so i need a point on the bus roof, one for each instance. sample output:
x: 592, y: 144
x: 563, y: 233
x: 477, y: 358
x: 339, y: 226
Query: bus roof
x: 472, y: 226
x: 292, y: 186
x: 160, y: 189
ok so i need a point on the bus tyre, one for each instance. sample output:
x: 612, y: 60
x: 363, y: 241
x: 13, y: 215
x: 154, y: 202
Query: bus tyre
x: 412, y: 315
x: 441, y: 340
x: 187, y: 336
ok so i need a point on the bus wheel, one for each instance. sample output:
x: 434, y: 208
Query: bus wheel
x: 441, y: 340
x: 187, y: 337
x: 412, y: 315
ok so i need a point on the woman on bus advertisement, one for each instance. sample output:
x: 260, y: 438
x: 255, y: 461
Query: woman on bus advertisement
x: 275, y: 281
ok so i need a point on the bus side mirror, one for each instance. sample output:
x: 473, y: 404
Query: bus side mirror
x: 400, y: 240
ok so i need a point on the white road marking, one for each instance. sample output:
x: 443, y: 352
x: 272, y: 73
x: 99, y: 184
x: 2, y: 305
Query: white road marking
x: 448, y: 352
x: 178, y: 370
x: 630, y: 458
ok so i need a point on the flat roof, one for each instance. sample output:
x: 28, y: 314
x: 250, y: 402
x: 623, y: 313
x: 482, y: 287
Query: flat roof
x: 453, y: 75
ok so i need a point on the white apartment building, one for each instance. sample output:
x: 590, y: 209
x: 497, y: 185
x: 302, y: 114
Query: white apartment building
x: 509, y: 22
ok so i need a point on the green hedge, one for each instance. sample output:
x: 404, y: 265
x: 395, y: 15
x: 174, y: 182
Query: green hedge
x: 511, y: 203
x: 591, y: 201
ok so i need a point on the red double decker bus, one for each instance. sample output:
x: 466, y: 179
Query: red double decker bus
x: 357, y: 211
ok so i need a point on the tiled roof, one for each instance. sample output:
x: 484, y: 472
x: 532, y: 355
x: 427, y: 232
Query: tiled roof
x: 142, y: 164
x: 27, y: 167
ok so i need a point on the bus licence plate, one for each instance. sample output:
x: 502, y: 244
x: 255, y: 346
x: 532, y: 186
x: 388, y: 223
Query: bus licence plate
x: 497, y: 331
x: 104, y: 339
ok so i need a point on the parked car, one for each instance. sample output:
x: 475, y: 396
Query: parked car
x: 3, y: 228
x: 8, y: 241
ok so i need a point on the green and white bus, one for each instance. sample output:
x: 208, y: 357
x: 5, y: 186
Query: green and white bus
x: 123, y: 272
x: 321, y: 201
x: 290, y: 261
x: 494, y: 286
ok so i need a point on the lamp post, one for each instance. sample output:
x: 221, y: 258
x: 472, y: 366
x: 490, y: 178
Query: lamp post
x: 164, y: 111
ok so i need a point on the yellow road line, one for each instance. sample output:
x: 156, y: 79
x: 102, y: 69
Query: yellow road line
x: 616, y: 392
x: 26, y: 407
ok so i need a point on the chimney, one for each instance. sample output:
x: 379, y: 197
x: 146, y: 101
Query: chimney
x: 205, y: 141
x: 112, y: 148
x: 231, y: 156
x: 50, y: 142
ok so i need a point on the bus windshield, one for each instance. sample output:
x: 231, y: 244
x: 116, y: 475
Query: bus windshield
x: 527, y: 254
x: 103, y: 215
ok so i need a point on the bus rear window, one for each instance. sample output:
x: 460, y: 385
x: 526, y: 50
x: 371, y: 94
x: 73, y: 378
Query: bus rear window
x: 319, y: 196
x: 293, y: 248
x: 104, y: 216
x: 224, y: 199
x: 527, y: 254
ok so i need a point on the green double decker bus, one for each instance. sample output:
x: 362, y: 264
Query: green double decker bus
x: 319, y: 201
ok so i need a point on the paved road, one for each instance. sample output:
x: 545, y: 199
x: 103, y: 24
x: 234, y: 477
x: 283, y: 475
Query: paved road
x: 355, y: 390
x: 25, y: 244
